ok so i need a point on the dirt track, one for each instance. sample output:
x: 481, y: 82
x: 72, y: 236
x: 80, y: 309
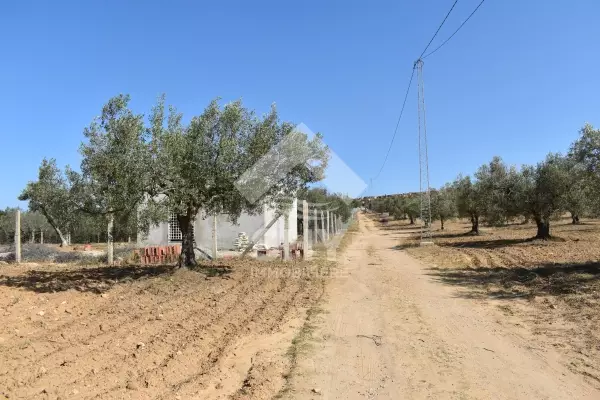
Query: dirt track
x: 149, y: 333
x: 389, y: 331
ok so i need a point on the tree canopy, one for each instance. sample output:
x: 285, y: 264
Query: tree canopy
x: 226, y: 160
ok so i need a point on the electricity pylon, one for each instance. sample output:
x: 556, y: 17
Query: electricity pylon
x: 425, y: 195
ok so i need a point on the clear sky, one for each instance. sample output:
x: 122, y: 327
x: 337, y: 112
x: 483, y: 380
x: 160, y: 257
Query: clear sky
x: 518, y: 80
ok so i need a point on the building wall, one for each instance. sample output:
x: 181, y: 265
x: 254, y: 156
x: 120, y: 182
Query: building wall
x: 157, y: 236
x: 274, y: 236
x: 252, y: 225
x: 226, y: 231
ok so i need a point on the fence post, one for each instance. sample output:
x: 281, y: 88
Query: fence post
x: 41, y: 236
x: 323, y: 227
x: 305, y: 226
x: 334, y: 224
x: 327, y: 224
x: 109, y: 239
x: 315, y: 227
x: 18, y: 236
x: 286, y: 236
x: 214, y: 237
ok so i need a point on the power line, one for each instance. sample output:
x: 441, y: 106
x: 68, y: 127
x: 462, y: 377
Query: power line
x: 438, y: 29
x: 407, y: 91
x: 455, y: 32
x: 397, y: 124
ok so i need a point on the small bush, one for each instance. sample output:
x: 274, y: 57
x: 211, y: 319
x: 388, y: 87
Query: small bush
x: 38, y: 253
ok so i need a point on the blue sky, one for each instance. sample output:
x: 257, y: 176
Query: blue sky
x: 518, y: 81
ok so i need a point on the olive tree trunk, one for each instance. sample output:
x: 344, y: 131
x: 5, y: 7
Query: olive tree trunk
x: 574, y: 218
x: 475, y: 224
x: 186, y: 225
x: 51, y: 221
x: 543, y: 228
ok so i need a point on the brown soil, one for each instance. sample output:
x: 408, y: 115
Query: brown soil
x: 393, y: 328
x: 549, y: 288
x: 153, y: 332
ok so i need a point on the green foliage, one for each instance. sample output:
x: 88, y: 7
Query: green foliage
x: 115, y: 159
x: 196, y: 167
x: 321, y: 198
x: 498, y: 192
x: 544, y: 190
x: 585, y: 151
x: 50, y: 196
x: 411, y: 207
x: 468, y: 200
x: 171, y: 167
x: 443, y: 204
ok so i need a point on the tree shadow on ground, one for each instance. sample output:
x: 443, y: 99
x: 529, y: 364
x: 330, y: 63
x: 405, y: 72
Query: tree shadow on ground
x: 406, y: 245
x: 486, y: 244
x: 94, y: 280
x: 100, y: 279
x: 512, y: 283
x: 214, y: 270
x: 444, y: 235
x: 399, y: 228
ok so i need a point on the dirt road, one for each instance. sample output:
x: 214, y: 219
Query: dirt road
x: 389, y: 331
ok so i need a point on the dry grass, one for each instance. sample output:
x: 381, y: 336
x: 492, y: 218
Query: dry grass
x: 550, y: 287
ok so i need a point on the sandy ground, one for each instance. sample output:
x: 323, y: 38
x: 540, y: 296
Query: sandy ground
x: 72, y: 332
x: 388, y: 330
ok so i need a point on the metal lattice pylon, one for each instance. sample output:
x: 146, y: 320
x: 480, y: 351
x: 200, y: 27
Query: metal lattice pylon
x: 425, y: 200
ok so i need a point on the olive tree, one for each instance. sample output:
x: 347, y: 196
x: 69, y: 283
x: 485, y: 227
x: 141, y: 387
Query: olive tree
x: 443, y: 204
x: 49, y: 195
x: 544, y: 186
x: 197, y: 168
x: 468, y: 201
x: 585, y: 151
x: 411, y: 206
x: 115, y: 171
x: 335, y: 202
x: 498, y: 191
x: 576, y: 198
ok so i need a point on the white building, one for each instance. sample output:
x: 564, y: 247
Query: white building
x: 168, y: 233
